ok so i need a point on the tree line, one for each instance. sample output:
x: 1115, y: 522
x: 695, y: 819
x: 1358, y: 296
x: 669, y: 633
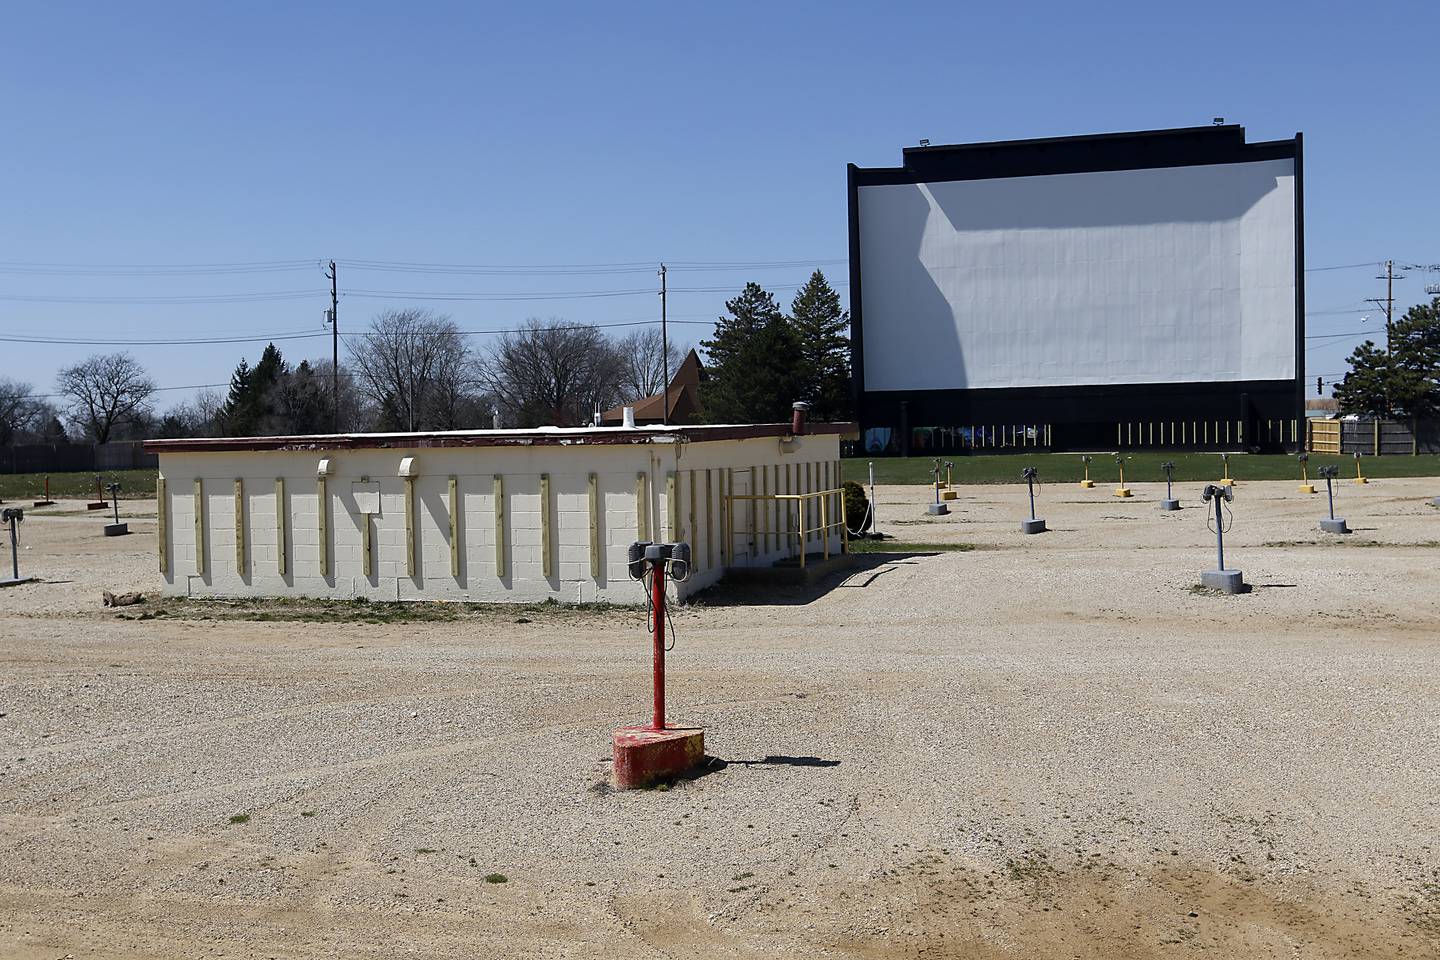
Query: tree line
x: 415, y: 369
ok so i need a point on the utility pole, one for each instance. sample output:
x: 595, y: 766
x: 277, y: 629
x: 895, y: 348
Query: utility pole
x: 664, y: 351
x: 1388, y: 302
x: 334, y: 342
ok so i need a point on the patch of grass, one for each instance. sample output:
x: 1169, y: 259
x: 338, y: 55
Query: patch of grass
x: 360, y: 610
x: 496, y: 878
x: 424, y: 849
x: 902, y: 546
x: 1139, y: 467
x: 307, y: 813
x: 240, y: 818
x: 134, y: 485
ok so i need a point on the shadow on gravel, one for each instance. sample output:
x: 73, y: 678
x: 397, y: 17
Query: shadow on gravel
x: 867, y: 569
x: 715, y: 764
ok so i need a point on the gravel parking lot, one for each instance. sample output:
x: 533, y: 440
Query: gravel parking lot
x: 1048, y: 746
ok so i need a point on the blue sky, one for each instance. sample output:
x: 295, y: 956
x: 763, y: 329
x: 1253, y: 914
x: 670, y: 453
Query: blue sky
x: 534, y: 134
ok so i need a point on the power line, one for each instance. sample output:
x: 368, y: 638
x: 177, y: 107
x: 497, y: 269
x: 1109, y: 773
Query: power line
x: 147, y: 270
x: 179, y: 300
x: 56, y: 396
x: 303, y: 335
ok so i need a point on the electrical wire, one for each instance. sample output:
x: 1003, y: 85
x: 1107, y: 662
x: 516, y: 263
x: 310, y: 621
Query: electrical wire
x: 647, y: 582
x: 157, y: 301
x: 1210, y: 518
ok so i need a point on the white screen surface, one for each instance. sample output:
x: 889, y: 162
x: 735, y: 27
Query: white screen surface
x: 1181, y: 274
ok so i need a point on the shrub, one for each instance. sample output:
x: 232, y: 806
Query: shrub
x: 857, y: 507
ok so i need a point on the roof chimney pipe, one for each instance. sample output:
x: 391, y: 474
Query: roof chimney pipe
x: 628, y: 417
x: 797, y: 417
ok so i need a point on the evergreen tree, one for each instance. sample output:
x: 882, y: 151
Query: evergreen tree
x: 234, y: 418
x: 753, y: 362
x: 822, y: 327
x: 253, y: 407
x: 1403, y: 382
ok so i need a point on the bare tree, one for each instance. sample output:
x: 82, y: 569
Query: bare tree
x: 19, y: 410
x: 105, y: 392
x: 552, y: 373
x: 415, y: 366
x: 641, y: 355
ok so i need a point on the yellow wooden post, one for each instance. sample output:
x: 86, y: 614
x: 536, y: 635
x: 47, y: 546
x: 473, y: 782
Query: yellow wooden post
x: 547, y: 553
x: 727, y: 507
x: 454, y: 497
x: 199, y: 526
x: 763, y: 510
x: 367, y: 545
x: 322, y: 519
x: 282, y: 544
x: 709, y: 522
x: 409, y: 526
x: 642, y: 507
x: 498, y: 497
x: 672, y: 508
x: 162, y: 526
x: 750, y: 515
x: 240, y: 526
x: 594, y: 527
x: 690, y: 531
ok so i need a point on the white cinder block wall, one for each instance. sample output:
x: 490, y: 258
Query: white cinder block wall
x: 666, y: 484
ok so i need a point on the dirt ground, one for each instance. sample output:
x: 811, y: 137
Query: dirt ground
x: 1050, y: 746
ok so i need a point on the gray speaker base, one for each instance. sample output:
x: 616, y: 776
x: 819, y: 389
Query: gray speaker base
x: 1226, y: 581
x: 1334, y: 526
x: 1169, y: 504
x: 12, y: 582
x: 937, y: 510
x: 116, y: 529
x: 1436, y: 501
x: 1032, y: 526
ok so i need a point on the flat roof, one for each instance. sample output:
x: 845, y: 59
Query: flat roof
x: 540, y: 436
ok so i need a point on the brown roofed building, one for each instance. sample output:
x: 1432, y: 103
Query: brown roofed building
x: 684, y: 399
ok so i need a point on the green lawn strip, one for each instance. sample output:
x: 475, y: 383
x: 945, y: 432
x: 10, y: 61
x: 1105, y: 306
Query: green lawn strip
x: 902, y: 546
x: 1139, y: 467
x: 307, y: 610
x: 24, y: 488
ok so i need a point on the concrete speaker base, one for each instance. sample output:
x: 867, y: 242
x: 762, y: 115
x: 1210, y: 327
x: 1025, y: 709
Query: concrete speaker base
x: 949, y: 495
x: 645, y: 756
x: 1032, y: 526
x: 43, y: 503
x: 937, y: 510
x: 1307, y: 488
x: 1436, y: 501
x: 1362, y: 479
x: 12, y: 582
x: 1226, y: 581
x: 1169, y: 504
x: 1227, y: 482
x: 116, y: 529
x: 98, y: 505
x: 1087, y: 484
x: 1334, y: 526
x: 1122, y: 491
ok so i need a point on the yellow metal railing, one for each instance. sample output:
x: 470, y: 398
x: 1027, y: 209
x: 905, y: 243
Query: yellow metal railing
x: 801, y: 535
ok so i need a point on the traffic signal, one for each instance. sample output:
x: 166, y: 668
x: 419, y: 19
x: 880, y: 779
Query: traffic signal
x: 1319, y: 386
